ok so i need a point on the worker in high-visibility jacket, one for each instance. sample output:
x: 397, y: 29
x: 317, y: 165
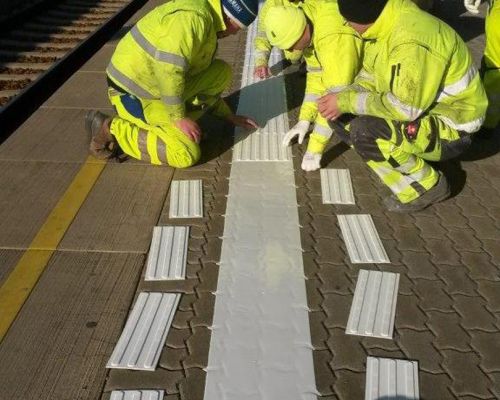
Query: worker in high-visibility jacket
x: 418, y: 97
x: 163, y: 76
x: 333, y: 54
x: 490, y: 68
x: 262, y: 47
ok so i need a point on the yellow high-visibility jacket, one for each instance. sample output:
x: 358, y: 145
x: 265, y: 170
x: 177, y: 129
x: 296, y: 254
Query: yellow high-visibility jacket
x: 415, y: 64
x: 173, y: 42
x: 262, y: 46
x: 333, y: 61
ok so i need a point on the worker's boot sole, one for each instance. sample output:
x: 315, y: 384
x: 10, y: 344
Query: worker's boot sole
x: 439, y: 192
x: 102, y: 142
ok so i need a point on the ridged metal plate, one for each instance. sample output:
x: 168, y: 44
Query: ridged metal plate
x: 336, y: 186
x: 362, y: 240
x: 167, y: 254
x: 145, y: 332
x: 390, y: 379
x: 260, y: 147
x: 373, y: 308
x: 137, y: 395
x: 186, y: 199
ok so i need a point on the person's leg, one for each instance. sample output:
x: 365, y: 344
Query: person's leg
x: 397, y: 152
x: 143, y: 131
x: 203, y: 91
x: 491, y: 66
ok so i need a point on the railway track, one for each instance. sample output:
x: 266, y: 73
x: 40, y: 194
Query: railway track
x: 31, y: 48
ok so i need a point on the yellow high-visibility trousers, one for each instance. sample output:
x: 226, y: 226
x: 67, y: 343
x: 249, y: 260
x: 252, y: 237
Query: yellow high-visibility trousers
x: 144, y: 130
x: 491, y: 65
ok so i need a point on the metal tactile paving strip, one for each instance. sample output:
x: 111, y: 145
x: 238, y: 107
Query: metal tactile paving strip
x: 167, y: 254
x: 336, y: 186
x: 391, y: 379
x: 137, y: 395
x: 186, y: 199
x: 361, y: 239
x: 145, y: 332
x: 374, y: 305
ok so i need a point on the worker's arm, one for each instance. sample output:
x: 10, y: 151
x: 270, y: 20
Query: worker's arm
x: 262, y: 47
x: 415, y: 78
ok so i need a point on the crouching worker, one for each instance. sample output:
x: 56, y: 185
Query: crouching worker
x: 418, y: 98
x: 332, y: 52
x: 163, y: 77
x: 263, y: 47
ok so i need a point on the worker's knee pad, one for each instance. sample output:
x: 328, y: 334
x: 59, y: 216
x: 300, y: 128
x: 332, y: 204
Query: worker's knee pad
x: 364, y: 132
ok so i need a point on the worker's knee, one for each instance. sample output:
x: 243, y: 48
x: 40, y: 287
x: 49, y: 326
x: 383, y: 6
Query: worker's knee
x: 364, y: 133
x: 183, y: 154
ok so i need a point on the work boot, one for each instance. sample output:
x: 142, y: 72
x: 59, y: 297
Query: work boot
x: 102, y: 143
x: 439, y: 192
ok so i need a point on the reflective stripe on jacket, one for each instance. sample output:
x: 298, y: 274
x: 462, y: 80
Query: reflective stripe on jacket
x: 173, y: 42
x: 413, y: 64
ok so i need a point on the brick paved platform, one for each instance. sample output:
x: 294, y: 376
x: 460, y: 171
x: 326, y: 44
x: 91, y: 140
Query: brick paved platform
x: 448, y: 257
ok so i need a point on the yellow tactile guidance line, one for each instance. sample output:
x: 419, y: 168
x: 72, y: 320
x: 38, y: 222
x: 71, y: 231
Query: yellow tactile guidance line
x: 33, y: 262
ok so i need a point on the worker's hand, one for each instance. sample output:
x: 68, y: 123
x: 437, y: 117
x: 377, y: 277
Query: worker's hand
x: 243, y: 122
x: 190, y: 128
x: 328, y: 107
x: 472, y: 6
x: 311, y: 161
x: 262, y: 72
x: 300, y: 129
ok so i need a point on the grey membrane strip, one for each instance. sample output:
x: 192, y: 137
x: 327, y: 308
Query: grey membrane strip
x: 137, y: 395
x: 373, y: 308
x: 167, y: 254
x: 186, y: 199
x: 260, y: 345
x: 390, y: 379
x: 362, y: 240
x: 145, y: 332
x: 336, y: 186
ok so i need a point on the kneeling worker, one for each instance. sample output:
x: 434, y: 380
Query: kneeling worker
x: 418, y: 97
x: 163, y: 76
x: 333, y: 55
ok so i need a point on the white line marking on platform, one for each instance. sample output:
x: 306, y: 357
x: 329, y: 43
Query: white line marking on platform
x: 362, y: 240
x: 137, y: 395
x: 336, y: 186
x: 186, y: 199
x: 145, y: 332
x: 374, y: 304
x: 391, y: 379
x: 168, y: 253
x: 260, y: 346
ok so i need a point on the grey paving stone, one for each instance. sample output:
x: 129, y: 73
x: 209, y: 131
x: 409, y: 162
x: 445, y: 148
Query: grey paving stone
x: 429, y: 226
x: 172, y: 358
x: 448, y: 332
x: 419, y: 265
x: 323, y: 373
x: 489, y: 290
x: 198, y: 346
x: 193, y: 386
x: 474, y: 313
x: 30, y: 191
x: 121, y: 211
x: 349, y: 384
x: 334, y: 279
x: 336, y: 307
x: 59, y: 344
x: 432, y: 296
x: 347, y: 351
x: 442, y: 252
x: 419, y: 346
x: 487, y: 346
x: 86, y: 90
x: 480, y: 265
x: 409, y: 315
x: 319, y: 332
x: 435, y: 386
x: 9, y: 260
x: 468, y: 378
x: 457, y: 280
x: 161, y: 378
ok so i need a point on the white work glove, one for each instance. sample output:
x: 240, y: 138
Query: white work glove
x: 472, y: 6
x: 300, y: 129
x: 311, y: 161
